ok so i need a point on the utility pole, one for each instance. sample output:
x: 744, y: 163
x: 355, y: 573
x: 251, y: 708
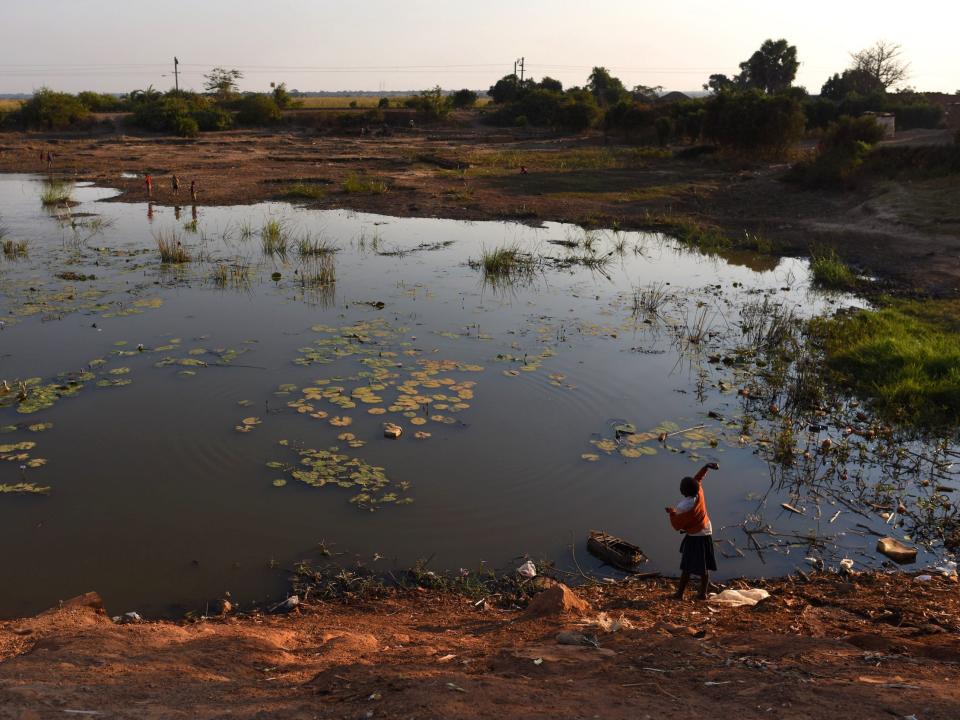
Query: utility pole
x: 176, y: 74
x: 515, y: 67
x: 520, y: 62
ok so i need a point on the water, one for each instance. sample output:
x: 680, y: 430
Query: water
x: 159, y: 504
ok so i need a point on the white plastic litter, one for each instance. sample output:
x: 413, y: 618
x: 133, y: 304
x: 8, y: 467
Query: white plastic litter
x: 923, y: 578
x: 528, y: 570
x: 948, y: 569
x: 739, y: 598
x: 846, y: 564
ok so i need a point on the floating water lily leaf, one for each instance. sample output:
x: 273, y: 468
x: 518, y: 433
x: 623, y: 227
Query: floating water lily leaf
x: 36, y: 462
x: 24, y: 488
x: 606, y: 445
x: 245, y: 403
x: 590, y: 457
x: 418, y: 421
x: 420, y: 435
x: 149, y: 303
x: 279, y: 482
x: 251, y: 421
x: 120, y: 371
x: 14, y: 447
x: 40, y: 427
x: 338, y: 421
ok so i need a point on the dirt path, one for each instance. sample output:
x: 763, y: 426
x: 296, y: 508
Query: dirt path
x: 871, y: 647
x: 907, y: 233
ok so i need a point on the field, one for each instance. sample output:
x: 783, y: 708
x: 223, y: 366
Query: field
x: 357, y: 101
x: 8, y: 105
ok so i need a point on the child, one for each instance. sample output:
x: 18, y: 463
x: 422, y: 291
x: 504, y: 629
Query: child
x: 690, y: 517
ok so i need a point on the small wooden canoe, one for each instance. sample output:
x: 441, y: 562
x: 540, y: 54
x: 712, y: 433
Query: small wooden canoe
x: 615, y: 551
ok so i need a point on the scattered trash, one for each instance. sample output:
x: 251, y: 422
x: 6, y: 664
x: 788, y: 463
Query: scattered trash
x: 608, y: 624
x: 948, y: 569
x: 739, y: 598
x: 454, y: 686
x: 527, y: 570
x: 291, y: 603
x: 127, y: 618
x: 446, y: 658
x: 538, y: 661
x: 896, y: 550
x: 791, y: 508
x: 846, y: 565
x: 923, y: 578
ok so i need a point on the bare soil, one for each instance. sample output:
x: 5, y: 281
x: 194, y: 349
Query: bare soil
x: 906, y: 233
x: 873, y: 646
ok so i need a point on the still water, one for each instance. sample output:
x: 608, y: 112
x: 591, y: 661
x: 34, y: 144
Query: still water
x: 159, y: 503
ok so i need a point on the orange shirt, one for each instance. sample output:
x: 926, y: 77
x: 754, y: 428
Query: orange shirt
x: 694, y: 521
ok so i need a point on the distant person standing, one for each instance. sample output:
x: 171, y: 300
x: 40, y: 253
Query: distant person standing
x: 149, y: 182
x: 49, y: 160
x: 176, y: 185
x: 193, y: 191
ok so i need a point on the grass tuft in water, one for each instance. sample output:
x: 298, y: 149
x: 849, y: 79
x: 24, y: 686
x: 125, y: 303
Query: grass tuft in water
x: 364, y: 186
x: 830, y: 272
x: 505, y: 260
x: 171, y: 248
x: 308, y: 246
x: 56, y: 192
x: 235, y: 275
x: 273, y: 236
x: 650, y: 299
x: 319, y: 270
x: 14, y: 248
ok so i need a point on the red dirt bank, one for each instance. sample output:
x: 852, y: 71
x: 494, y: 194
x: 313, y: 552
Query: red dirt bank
x: 872, y: 647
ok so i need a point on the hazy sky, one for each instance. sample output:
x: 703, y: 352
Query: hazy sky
x: 118, y: 45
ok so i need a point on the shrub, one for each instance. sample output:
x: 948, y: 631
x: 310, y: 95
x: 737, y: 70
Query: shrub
x: 664, y: 127
x: 49, y: 110
x: 181, y: 113
x: 753, y: 122
x: 844, y: 146
x: 258, y: 110
x: 463, y: 98
x: 101, y: 102
x: 383, y: 103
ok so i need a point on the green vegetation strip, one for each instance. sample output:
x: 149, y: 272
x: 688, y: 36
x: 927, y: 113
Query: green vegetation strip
x: 905, y: 357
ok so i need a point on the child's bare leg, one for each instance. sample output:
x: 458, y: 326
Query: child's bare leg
x: 704, y: 584
x: 682, y: 585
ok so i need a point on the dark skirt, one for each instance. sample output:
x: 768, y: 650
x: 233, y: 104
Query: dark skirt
x: 697, y: 554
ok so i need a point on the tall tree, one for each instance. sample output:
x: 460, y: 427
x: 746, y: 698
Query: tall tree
x: 222, y: 82
x: 606, y: 89
x: 772, y: 68
x: 883, y: 62
x: 851, y: 81
x: 718, y: 83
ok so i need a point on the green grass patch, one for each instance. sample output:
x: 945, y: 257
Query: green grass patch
x: 904, y: 356
x: 590, y: 158
x: 171, y: 249
x: 56, y: 192
x: 830, y: 271
x: 305, y: 191
x: 274, y: 237
x: 363, y: 185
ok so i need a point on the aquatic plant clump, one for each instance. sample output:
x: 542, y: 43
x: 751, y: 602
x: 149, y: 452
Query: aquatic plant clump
x: 830, y: 272
x: 274, y: 237
x: 331, y: 467
x: 56, y: 191
x: 171, y: 249
x: 364, y: 186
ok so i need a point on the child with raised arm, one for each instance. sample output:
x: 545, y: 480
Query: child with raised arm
x: 690, y: 517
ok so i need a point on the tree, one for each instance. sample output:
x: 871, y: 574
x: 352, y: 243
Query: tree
x: 49, y: 110
x: 855, y: 80
x: 882, y: 62
x: 719, y: 83
x: 222, y: 82
x: 464, y: 98
x: 606, y: 89
x: 771, y: 69
x: 505, y: 90
x: 259, y: 110
x: 282, y: 97
x: 646, y: 93
x: 548, y: 83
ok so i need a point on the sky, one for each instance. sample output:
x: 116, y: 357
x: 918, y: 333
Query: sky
x: 119, y: 45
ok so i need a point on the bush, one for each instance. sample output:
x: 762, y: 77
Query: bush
x: 753, y: 122
x: 464, y: 98
x: 171, y: 113
x: 101, y: 102
x: 918, y: 115
x: 383, y: 103
x: 664, y: 127
x: 258, y: 110
x: 844, y: 146
x: 49, y: 110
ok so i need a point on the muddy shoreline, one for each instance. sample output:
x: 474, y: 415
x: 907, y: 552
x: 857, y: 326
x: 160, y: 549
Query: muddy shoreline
x: 871, y: 645
x: 470, y: 172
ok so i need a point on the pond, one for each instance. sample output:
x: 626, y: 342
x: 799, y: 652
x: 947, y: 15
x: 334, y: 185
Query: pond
x: 182, y: 415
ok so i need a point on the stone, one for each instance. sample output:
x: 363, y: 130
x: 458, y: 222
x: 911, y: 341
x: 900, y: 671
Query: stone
x: 896, y: 550
x: 556, y: 600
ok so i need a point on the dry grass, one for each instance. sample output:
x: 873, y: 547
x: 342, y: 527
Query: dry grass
x: 170, y: 247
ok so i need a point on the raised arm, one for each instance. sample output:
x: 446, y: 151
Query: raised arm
x: 702, y: 472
